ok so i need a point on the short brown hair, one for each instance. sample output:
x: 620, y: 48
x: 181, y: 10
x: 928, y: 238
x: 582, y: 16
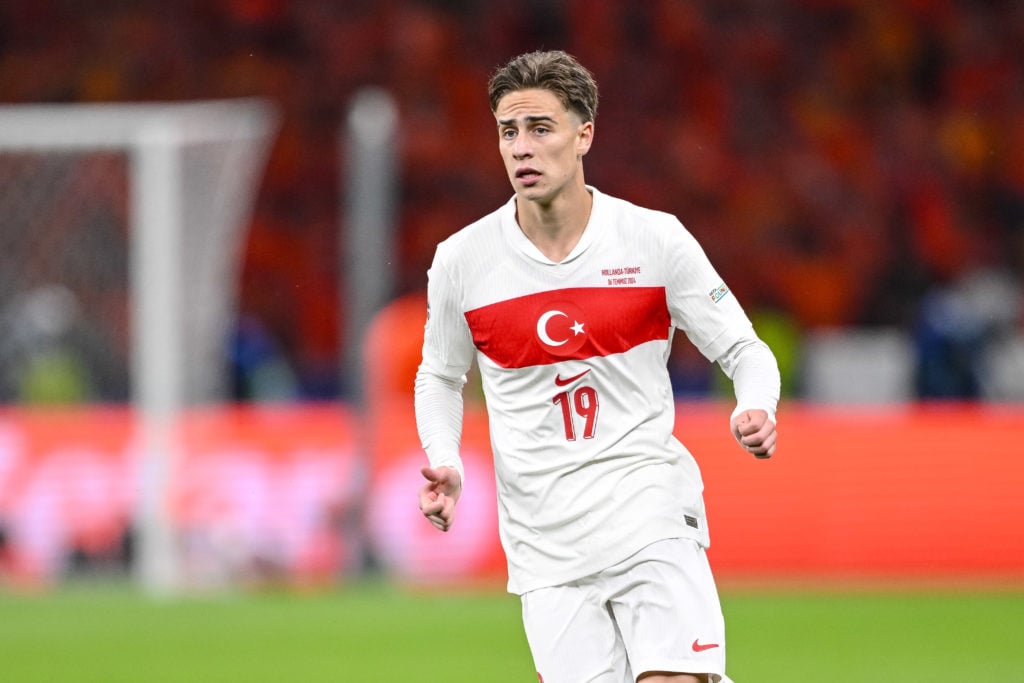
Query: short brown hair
x: 555, y: 71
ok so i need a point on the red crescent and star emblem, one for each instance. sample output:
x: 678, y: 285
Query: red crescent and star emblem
x: 561, y: 328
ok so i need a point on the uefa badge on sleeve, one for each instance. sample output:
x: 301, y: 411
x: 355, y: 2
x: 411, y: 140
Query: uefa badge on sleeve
x: 718, y: 293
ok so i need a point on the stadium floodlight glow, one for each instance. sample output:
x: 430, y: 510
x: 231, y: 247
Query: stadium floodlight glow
x: 184, y: 178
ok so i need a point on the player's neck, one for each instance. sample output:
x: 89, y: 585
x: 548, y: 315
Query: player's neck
x: 555, y: 227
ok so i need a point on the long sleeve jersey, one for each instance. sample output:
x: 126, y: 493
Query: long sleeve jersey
x: 573, y: 357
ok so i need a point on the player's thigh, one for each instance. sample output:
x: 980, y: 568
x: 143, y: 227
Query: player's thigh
x: 573, y: 636
x: 668, y: 612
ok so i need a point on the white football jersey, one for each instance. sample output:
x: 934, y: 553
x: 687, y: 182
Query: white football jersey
x: 573, y: 359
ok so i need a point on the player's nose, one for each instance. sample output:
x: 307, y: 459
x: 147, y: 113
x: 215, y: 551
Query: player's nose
x: 521, y: 148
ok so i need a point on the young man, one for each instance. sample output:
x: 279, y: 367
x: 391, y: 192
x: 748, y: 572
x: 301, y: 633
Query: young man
x: 568, y: 299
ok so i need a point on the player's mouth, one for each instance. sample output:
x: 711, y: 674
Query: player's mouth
x: 527, y: 175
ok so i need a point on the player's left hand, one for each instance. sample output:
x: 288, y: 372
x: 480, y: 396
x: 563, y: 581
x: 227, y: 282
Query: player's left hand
x: 755, y: 432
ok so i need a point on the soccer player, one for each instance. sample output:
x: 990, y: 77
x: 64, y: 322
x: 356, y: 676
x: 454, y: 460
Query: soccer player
x: 568, y: 299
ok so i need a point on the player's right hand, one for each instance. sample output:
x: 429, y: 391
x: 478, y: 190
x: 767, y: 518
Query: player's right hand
x: 439, y: 495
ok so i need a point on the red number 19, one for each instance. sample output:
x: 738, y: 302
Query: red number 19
x: 584, y: 401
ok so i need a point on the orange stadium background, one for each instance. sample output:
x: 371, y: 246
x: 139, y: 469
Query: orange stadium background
x: 308, y: 492
x: 853, y: 493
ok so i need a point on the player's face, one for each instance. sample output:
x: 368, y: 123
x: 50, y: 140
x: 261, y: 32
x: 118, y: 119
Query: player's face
x: 541, y: 143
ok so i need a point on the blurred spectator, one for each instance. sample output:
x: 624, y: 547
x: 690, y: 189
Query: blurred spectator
x: 958, y: 326
x: 51, y: 355
x: 258, y: 370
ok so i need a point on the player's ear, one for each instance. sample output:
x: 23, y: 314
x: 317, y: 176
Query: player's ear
x: 584, y: 138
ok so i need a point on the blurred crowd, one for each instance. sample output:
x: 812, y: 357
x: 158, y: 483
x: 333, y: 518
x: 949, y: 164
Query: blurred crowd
x: 843, y: 162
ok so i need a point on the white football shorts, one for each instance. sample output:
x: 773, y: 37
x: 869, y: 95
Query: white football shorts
x: 655, y: 611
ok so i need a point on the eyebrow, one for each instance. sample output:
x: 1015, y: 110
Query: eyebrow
x: 529, y: 119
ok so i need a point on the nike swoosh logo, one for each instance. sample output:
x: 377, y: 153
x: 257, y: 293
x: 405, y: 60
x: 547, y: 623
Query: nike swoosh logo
x: 569, y: 380
x: 697, y: 647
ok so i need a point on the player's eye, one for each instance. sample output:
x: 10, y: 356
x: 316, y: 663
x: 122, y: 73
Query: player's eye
x: 508, y: 133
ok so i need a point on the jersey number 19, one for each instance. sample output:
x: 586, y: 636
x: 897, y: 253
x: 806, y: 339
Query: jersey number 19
x: 584, y: 401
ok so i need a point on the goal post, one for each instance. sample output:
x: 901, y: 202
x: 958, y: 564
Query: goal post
x: 138, y: 213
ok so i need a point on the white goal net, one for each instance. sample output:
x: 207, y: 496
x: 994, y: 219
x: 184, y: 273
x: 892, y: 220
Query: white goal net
x: 121, y: 231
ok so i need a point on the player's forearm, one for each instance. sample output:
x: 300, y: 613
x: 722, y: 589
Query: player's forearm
x: 439, y: 412
x: 755, y: 376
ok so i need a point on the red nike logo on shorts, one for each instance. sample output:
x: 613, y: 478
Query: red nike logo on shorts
x: 697, y: 647
x: 569, y: 380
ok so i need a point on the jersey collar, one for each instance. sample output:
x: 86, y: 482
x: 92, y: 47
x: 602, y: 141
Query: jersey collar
x: 521, y: 243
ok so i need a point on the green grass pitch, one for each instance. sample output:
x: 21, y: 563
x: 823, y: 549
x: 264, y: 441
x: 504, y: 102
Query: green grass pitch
x: 376, y: 632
